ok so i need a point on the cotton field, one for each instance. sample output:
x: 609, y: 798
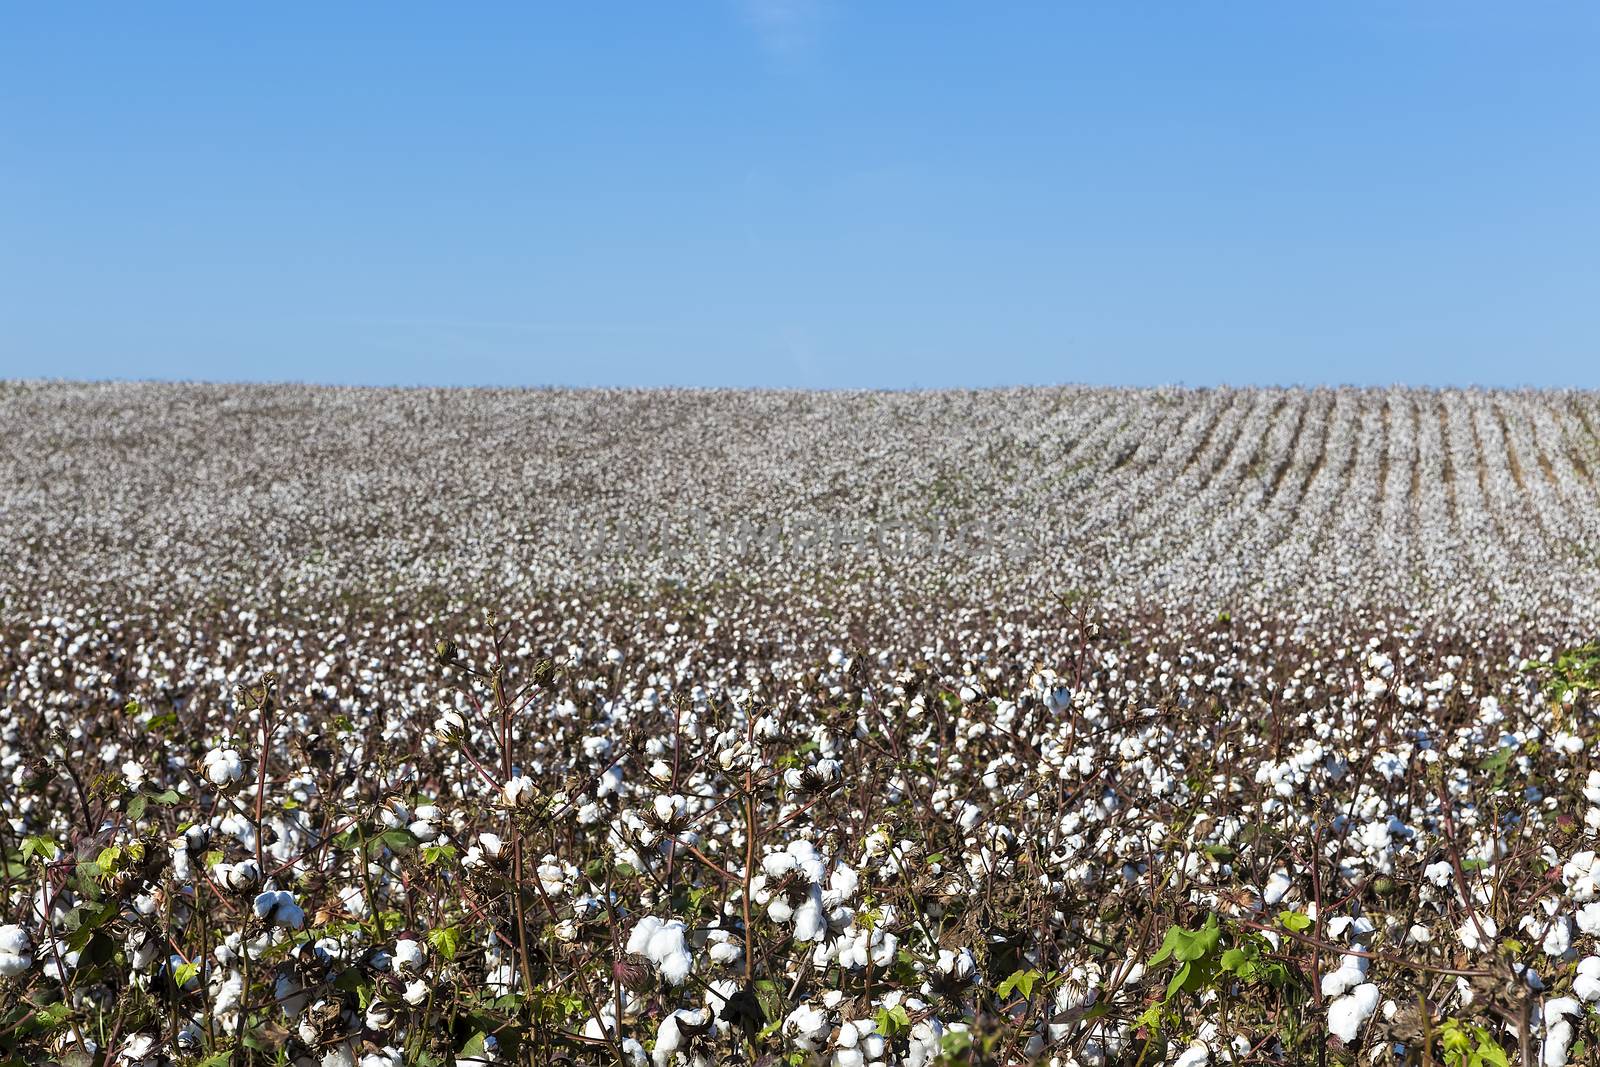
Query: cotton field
x: 1069, y: 726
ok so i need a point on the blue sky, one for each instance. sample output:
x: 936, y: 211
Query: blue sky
x: 798, y: 193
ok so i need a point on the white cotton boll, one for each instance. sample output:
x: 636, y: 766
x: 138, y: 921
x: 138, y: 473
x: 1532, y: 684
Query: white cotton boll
x: 15, y: 940
x: 552, y: 877
x: 1477, y: 934
x: 223, y: 767
x: 519, y: 792
x: 1196, y: 1055
x: 416, y: 992
x: 809, y: 921
x: 1560, y: 1007
x: 669, y: 807
x: 723, y: 949
x: 675, y: 966
x: 341, y: 1055
x: 664, y: 946
x: 380, y: 1016
x: 1589, y: 918
x: 137, y: 1050
x: 958, y: 965
x: 1276, y: 889
x: 13, y: 964
x: 842, y: 885
x: 1587, y: 983
x: 1558, y: 938
x: 449, y: 726
x: 643, y: 931
x: 278, y: 908
x: 807, y: 1027
x: 780, y: 911
x: 1351, y: 972
x: 1438, y: 873
x: 1558, y: 1030
x: 777, y: 864
x: 1557, y: 1043
x: 409, y: 957
x: 670, y: 1036
x: 1349, y: 1013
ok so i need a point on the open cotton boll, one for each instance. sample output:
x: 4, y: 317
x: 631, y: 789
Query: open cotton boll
x: 223, y: 767
x: 519, y: 792
x: 807, y: 1027
x: 1558, y: 1013
x: 16, y: 951
x: 1477, y: 934
x: 409, y: 956
x: 810, y: 921
x: 1196, y: 1055
x: 670, y: 806
x: 1351, y: 972
x: 671, y: 1035
x: 662, y: 943
x: 1276, y: 889
x: 278, y: 908
x: 777, y: 864
x: 1349, y: 1013
x: 1587, y: 983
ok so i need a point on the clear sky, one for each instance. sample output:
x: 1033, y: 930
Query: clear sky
x: 798, y: 193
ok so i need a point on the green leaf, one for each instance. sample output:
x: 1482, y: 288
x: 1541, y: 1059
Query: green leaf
x: 396, y: 840
x: 1179, y: 979
x: 136, y: 807
x: 53, y: 1015
x: 1168, y: 944
x: 217, y: 1059
x: 38, y: 845
x: 892, y: 1021
x: 446, y: 940
x: 184, y: 973
x: 433, y: 855
x: 1297, y: 921
x: 1023, y: 980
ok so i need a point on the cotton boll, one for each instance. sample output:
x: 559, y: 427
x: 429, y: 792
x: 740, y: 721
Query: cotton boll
x: 1276, y: 889
x: 409, y: 956
x: 1558, y: 1013
x: 1477, y: 934
x: 519, y: 792
x: 1587, y: 983
x: 278, y: 907
x: 777, y: 864
x: 809, y: 921
x: 1196, y: 1055
x: 16, y: 951
x: 807, y: 1027
x: 671, y: 1036
x: 1349, y: 1013
x: 1351, y: 972
x: 662, y: 943
x: 1558, y: 938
